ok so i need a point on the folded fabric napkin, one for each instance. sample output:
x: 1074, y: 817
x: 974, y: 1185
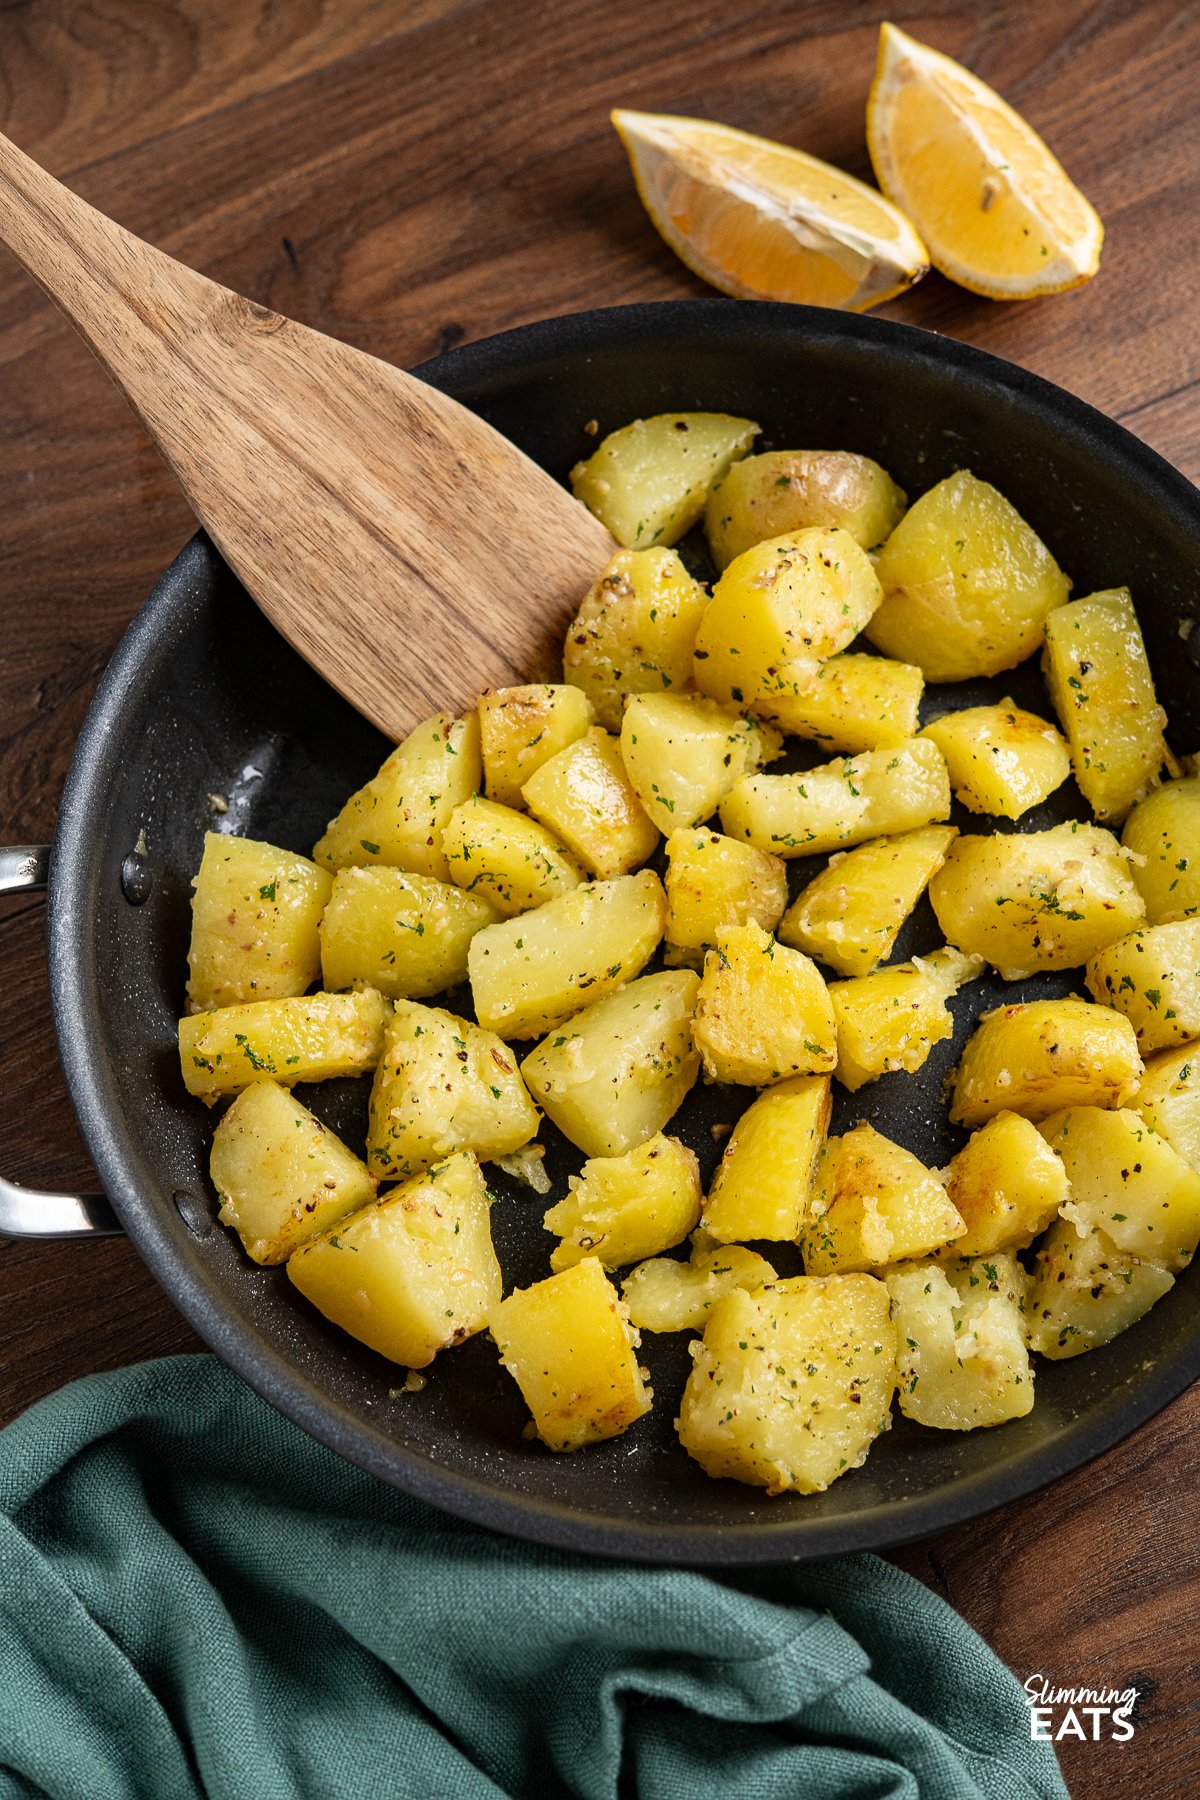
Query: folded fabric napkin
x: 196, y: 1599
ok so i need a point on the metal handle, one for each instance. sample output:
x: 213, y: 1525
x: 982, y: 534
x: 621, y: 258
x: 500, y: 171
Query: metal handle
x: 24, y: 1212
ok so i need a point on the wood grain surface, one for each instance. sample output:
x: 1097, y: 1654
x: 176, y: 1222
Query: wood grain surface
x: 406, y: 174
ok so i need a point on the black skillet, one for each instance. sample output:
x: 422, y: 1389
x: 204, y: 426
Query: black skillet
x: 202, y: 699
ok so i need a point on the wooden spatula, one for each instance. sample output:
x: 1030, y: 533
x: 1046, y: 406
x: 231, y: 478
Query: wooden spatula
x: 407, y: 550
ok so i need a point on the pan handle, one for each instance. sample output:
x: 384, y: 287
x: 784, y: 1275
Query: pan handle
x: 24, y: 1212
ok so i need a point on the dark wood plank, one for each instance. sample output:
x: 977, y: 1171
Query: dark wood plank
x: 408, y: 173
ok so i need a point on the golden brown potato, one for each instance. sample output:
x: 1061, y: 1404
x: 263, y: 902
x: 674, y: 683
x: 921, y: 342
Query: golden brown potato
x: 961, y: 1331
x: 499, y: 855
x: 891, y: 1019
x: 312, y: 1037
x: 649, y: 480
x: 1162, y: 833
x: 1001, y: 759
x: 712, y: 881
x: 397, y: 818
x: 785, y: 490
x: 1153, y: 977
x: 873, y: 1203
x: 665, y: 1295
x: 520, y: 728
x: 1168, y: 1098
x: 850, y: 915
x: 857, y: 703
x: 1007, y: 1184
x: 406, y: 935
x: 255, y: 914
x: 635, y: 632
x: 763, y: 1182
x: 683, y: 753
x: 623, y: 1208
x: 842, y: 803
x: 967, y: 584
x: 584, y: 797
x: 569, y: 1347
x: 763, y: 1011
x: 1127, y: 1182
x: 1043, y: 1055
x: 1036, y: 899
x: 1086, y: 1292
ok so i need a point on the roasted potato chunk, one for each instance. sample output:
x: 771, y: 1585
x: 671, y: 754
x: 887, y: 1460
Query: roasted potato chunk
x: 406, y: 935
x: 892, y: 1019
x: 792, y: 1383
x: 776, y: 613
x: 665, y: 1295
x: 786, y: 490
x: 712, y: 881
x: 614, y: 1074
x: 503, y: 857
x: 1168, y: 1098
x: 1007, y: 1183
x: 623, y: 1208
x: 255, y: 914
x: 763, y: 1184
x: 649, y: 480
x: 1001, y: 759
x: 1038, y: 1057
x: 842, y: 803
x: 1036, y: 899
x: 280, y: 1174
x: 858, y: 703
x: 520, y: 728
x: 850, y: 915
x: 683, y: 753
x: 961, y: 1331
x: 1103, y: 692
x: 967, y: 584
x: 443, y: 1085
x: 397, y: 818
x: 1085, y: 1291
x: 584, y: 797
x: 412, y: 1274
x: 763, y: 1011
x: 1162, y: 834
x: 635, y: 632
x: 1153, y: 977
x: 531, y: 974
x: 568, y: 1345
x: 1127, y: 1182
x: 873, y: 1203
x: 312, y: 1037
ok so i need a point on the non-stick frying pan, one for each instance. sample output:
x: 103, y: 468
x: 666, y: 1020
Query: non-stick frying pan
x: 202, y: 699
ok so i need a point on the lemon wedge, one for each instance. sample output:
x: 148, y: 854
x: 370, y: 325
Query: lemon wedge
x: 764, y: 222
x: 998, y: 212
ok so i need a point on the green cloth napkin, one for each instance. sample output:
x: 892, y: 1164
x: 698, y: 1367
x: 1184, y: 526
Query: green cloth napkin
x: 195, y: 1599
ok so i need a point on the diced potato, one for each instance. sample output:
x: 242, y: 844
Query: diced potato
x: 963, y: 1360
x: 1128, y: 1182
x: 1086, y: 1292
x: 570, y: 1349
x: 406, y: 935
x: 1168, y: 1098
x: 785, y: 490
x: 1153, y: 977
x: 683, y: 753
x: 584, y: 796
x: 635, y: 632
x: 443, y: 1085
x: 255, y: 913
x: 892, y: 1019
x: 776, y: 613
x: 967, y: 584
x: 648, y: 482
x: 500, y: 855
x: 413, y: 1274
x: 520, y: 728
x: 1007, y: 1184
x: 1002, y: 760
x: 763, y: 1011
x: 398, y: 816
x: 1036, y: 899
x: 622, y: 1208
x: 792, y: 1384
x: 873, y: 1203
x: 842, y: 803
x: 1163, y: 834
x: 614, y: 1075
x: 1103, y: 692
x: 312, y: 1037
x: 858, y: 703
x: 763, y: 1182
x: 850, y: 915
x: 664, y: 1295
x: 1038, y: 1057
x: 530, y: 974
x: 713, y: 881
x: 281, y: 1175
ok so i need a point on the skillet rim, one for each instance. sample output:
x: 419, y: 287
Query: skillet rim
x: 167, y: 1252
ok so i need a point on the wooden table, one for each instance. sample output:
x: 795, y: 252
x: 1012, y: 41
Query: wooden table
x: 409, y: 175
